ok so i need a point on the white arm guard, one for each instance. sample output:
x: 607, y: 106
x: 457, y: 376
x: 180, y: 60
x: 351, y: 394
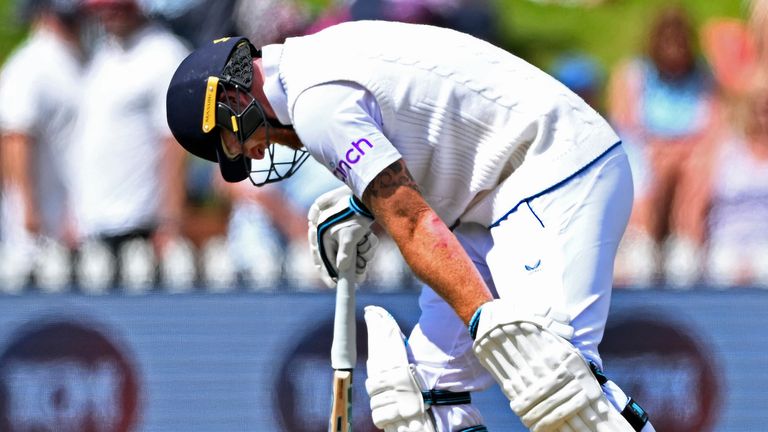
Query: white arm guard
x: 397, y: 404
x: 549, y: 385
x: 340, y: 232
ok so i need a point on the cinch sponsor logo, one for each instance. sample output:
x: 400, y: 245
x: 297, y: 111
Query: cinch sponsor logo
x: 352, y: 156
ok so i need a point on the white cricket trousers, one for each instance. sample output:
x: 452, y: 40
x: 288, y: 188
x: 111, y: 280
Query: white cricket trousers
x: 556, y: 249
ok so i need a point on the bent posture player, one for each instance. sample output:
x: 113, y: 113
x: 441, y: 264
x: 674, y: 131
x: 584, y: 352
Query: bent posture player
x: 493, y: 179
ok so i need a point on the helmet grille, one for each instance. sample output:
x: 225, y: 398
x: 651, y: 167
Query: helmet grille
x: 239, y: 67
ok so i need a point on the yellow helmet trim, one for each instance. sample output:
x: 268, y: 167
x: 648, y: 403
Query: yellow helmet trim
x: 209, y: 105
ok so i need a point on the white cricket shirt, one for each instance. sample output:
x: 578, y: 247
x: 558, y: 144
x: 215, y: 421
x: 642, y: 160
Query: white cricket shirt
x: 117, y: 183
x: 39, y: 88
x: 480, y: 129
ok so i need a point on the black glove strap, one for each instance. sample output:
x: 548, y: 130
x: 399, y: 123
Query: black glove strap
x: 357, y: 205
x: 324, y: 226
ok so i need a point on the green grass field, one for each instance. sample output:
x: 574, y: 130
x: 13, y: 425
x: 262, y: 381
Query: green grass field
x: 535, y: 31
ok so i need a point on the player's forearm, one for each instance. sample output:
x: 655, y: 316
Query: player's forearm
x: 173, y: 173
x: 16, y: 168
x: 428, y: 246
x: 436, y: 257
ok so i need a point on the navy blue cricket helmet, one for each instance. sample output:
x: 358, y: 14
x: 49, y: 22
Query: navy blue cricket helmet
x: 200, y: 101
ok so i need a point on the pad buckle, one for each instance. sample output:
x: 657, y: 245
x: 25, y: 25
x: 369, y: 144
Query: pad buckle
x: 444, y: 397
x: 633, y: 412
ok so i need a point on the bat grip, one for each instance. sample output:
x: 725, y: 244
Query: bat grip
x: 344, y: 346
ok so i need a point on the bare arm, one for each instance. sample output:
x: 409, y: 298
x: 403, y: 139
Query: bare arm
x: 173, y: 175
x: 16, y: 168
x: 691, y: 205
x: 428, y: 246
x: 290, y: 220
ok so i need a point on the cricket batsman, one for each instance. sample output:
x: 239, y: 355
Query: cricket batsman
x: 506, y: 194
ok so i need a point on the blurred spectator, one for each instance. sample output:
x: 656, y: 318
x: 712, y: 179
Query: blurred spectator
x: 39, y: 89
x: 663, y: 105
x: 731, y: 52
x: 474, y: 17
x: 197, y: 21
x: 759, y: 26
x: 725, y: 193
x: 582, y: 74
x: 269, y: 21
x: 267, y: 230
x: 261, y: 223
x: 127, y: 173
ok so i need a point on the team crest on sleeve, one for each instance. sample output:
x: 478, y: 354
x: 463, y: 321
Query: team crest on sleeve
x: 351, y: 156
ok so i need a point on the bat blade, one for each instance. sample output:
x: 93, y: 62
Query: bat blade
x: 341, y: 415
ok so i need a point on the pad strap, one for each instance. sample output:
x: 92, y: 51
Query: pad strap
x: 633, y: 412
x: 444, y: 397
x: 478, y: 428
x: 601, y: 378
x: 635, y: 415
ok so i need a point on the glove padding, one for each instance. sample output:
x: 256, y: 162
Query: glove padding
x: 340, y: 235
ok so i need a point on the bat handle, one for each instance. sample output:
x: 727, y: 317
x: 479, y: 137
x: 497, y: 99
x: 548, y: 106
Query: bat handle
x: 344, y: 346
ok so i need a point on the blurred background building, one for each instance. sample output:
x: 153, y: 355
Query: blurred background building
x: 83, y: 231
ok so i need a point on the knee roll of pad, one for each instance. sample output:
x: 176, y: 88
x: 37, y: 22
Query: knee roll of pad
x: 396, y: 401
x: 549, y: 385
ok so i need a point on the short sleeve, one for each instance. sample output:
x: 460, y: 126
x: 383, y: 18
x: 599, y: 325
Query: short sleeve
x: 340, y: 125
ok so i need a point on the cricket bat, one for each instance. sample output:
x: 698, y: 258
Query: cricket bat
x: 343, y: 353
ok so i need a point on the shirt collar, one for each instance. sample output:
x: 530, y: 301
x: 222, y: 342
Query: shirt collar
x: 273, y: 87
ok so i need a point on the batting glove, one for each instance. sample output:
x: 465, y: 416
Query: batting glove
x: 340, y: 235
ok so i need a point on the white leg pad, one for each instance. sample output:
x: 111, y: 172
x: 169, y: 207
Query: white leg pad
x: 397, y: 404
x: 549, y: 385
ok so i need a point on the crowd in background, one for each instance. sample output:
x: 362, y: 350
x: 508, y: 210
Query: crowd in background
x: 97, y: 196
x: 694, y: 112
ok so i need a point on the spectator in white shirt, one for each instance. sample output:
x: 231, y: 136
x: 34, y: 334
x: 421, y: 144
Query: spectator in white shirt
x: 38, y: 101
x: 127, y: 170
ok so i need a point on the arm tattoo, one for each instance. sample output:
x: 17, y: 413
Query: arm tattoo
x: 386, y: 183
